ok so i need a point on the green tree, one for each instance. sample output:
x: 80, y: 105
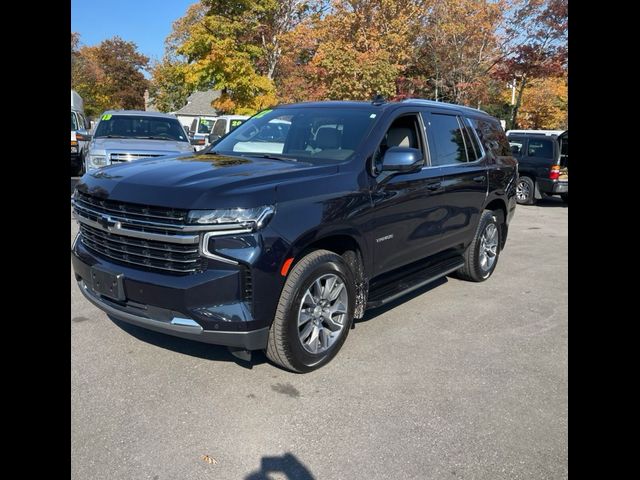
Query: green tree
x: 233, y: 46
x: 168, y: 88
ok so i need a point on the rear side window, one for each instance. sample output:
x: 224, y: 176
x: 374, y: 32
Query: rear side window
x: 220, y: 127
x: 447, y: 137
x: 492, y: 137
x: 541, y: 148
x: 205, y: 125
x: 74, y: 121
x: 473, y: 147
x: 517, y: 146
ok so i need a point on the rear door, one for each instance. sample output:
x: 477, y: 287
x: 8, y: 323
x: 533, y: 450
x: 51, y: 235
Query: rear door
x: 542, y: 152
x: 462, y: 163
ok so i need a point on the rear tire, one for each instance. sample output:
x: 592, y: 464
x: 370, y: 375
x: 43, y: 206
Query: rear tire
x: 525, y: 191
x: 306, y: 305
x: 565, y: 197
x: 481, y: 256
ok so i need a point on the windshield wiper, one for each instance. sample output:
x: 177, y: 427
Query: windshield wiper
x: 112, y: 136
x: 274, y: 157
x: 151, y: 137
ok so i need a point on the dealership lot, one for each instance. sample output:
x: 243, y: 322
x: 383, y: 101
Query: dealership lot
x: 458, y: 380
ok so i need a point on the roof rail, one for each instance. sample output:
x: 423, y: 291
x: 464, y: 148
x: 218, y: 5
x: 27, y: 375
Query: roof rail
x: 437, y: 103
x: 378, y: 100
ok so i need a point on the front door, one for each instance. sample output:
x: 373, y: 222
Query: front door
x: 407, y: 212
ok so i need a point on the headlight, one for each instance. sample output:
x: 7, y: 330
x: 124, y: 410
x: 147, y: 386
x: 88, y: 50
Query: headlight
x: 97, y: 161
x: 233, y: 218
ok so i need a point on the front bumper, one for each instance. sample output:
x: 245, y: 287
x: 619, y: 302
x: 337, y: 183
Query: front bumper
x: 177, y: 326
x: 210, y: 306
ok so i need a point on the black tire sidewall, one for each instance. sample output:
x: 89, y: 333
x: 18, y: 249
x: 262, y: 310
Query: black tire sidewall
x: 304, y: 360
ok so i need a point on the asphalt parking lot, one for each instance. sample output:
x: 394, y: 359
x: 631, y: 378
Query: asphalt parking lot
x: 456, y: 381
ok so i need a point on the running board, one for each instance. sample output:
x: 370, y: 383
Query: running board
x: 395, y: 289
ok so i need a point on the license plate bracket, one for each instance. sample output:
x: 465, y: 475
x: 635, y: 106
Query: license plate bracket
x: 107, y: 283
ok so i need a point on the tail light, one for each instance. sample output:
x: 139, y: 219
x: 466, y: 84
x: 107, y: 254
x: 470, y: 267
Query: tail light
x: 74, y: 143
x: 554, y: 173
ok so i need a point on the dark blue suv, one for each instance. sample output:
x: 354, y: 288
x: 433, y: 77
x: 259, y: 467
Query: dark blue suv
x: 278, y: 242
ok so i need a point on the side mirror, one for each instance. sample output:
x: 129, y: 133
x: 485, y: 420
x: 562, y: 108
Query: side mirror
x: 83, y: 136
x: 402, y: 160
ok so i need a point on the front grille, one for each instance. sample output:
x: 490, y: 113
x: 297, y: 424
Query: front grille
x: 131, y: 211
x: 150, y: 254
x: 154, y: 238
x: 128, y: 157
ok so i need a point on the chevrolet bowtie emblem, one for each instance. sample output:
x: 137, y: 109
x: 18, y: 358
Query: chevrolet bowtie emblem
x: 106, y: 221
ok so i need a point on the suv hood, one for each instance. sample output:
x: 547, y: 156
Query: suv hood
x: 133, y: 144
x: 199, y: 181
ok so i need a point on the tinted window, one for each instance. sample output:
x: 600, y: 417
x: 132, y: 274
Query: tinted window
x: 564, y: 150
x: 302, y: 132
x: 492, y: 137
x: 542, y: 148
x: 447, y: 137
x: 220, y: 127
x: 517, y: 146
x: 473, y: 147
x: 74, y: 121
x: 235, y: 123
x: 205, y: 125
x: 138, y: 126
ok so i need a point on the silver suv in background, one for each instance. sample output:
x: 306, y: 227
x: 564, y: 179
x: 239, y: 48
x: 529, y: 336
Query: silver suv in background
x: 127, y: 135
x: 199, y: 131
x: 224, y: 124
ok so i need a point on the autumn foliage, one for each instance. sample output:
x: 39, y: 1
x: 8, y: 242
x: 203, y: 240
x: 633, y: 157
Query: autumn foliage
x: 472, y: 52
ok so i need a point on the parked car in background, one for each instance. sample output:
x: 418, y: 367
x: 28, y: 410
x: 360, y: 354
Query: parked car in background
x: 199, y: 131
x: 224, y: 124
x: 238, y: 246
x: 80, y: 135
x: 543, y: 163
x: 127, y: 135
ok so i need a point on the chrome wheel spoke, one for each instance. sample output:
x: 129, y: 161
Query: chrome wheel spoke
x: 326, y: 338
x: 336, y: 290
x: 314, y: 339
x: 328, y: 287
x: 304, y: 335
x: 322, y: 313
x: 304, y: 317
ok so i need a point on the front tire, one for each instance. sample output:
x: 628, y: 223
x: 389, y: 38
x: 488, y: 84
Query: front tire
x: 314, y: 314
x: 565, y: 197
x: 481, y: 256
x: 525, y: 191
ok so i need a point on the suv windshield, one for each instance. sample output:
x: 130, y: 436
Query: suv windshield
x: 301, y: 133
x: 139, y: 126
x: 205, y: 125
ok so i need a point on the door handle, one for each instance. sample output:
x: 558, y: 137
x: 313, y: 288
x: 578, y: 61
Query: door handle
x: 434, y: 186
x: 479, y: 179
